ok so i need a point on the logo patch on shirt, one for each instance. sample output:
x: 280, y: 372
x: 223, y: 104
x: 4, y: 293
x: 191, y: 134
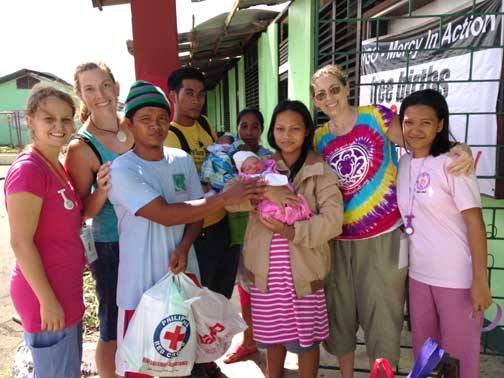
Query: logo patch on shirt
x: 179, y: 182
x: 422, y: 182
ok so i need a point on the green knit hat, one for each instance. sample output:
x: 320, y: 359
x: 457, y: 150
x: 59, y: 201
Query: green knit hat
x: 142, y: 94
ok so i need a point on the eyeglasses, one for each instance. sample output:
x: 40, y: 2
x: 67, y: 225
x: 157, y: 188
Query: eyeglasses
x: 333, y: 91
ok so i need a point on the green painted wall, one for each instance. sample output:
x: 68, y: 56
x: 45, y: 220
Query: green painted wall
x: 221, y: 102
x: 231, y: 74
x: 268, y: 74
x: 211, y: 100
x: 241, y: 84
x: 301, y: 50
x: 14, y: 99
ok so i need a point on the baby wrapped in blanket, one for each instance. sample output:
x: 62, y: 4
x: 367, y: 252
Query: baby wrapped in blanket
x: 250, y: 165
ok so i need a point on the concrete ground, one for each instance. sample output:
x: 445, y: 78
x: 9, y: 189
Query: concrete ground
x: 11, y: 333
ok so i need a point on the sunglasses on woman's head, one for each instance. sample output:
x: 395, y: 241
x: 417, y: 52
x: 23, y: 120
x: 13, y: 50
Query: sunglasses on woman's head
x: 333, y: 91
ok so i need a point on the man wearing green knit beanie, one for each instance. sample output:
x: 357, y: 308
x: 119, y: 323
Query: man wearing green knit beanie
x: 159, y: 203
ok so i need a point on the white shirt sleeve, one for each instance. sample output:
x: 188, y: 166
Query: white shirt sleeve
x: 130, y: 189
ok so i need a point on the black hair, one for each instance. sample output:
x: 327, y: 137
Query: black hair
x: 254, y: 111
x: 186, y: 72
x: 436, y: 101
x: 302, y: 110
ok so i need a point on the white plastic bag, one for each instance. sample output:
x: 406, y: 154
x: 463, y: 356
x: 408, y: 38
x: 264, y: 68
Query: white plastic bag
x: 161, y: 336
x: 216, y: 321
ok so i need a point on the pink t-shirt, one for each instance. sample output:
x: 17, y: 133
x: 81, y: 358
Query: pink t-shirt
x: 439, y: 253
x: 57, y: 240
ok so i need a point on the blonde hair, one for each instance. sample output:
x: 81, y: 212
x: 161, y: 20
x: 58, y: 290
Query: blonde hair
x: 40, y: 93
x: 84, y: 111
x: 331, y: 70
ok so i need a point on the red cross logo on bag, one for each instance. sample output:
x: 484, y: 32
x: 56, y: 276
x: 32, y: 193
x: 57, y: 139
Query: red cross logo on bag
x: 171, y: 335
x: 174, y: 337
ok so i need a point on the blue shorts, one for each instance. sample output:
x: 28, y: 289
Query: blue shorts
x: 56, y: 354
x: 105, y: 273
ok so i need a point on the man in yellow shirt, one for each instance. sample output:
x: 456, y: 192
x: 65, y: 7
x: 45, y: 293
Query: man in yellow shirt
x: 192, y: 132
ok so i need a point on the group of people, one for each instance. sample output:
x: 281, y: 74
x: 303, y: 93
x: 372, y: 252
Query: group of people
x: 315, y: 231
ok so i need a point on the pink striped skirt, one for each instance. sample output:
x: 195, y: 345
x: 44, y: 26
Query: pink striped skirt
x: 278, y: 316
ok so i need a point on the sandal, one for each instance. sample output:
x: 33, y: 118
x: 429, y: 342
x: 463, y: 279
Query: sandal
x: 240, y: 353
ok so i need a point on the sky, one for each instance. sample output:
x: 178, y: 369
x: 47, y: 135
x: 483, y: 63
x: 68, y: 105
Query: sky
x: 55, y: 36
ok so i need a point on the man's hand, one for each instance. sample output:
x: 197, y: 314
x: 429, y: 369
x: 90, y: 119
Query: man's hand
x: 464, y: 163
x: 178, y: 260
x: 244, y: 190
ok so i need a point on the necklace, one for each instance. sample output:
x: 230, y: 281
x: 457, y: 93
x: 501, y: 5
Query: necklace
x: 345, y: 127
x: 409, y: 229
x: 64, y: 178
x: 120, y: 135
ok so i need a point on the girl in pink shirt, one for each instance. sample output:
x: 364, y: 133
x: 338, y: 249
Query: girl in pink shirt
x: 448, y: 283
x: 44, y: 218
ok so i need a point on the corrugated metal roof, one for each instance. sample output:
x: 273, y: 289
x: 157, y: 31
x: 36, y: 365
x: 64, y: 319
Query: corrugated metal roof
x: 216, y: 44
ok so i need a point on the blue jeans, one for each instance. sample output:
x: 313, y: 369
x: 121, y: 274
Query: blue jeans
x: 105, y: 271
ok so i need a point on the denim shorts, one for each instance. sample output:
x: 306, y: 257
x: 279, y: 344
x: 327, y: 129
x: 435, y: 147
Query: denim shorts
x: 56, y: 354
x: 105, y: 273
x: 291, y: 346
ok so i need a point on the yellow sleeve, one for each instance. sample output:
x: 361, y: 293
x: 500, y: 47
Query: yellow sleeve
x: 172, y: 141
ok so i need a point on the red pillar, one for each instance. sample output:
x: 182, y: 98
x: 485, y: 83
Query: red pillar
x: 155, y: 42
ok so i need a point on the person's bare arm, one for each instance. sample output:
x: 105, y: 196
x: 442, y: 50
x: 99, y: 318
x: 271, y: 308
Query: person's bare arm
x: 82, y: 165
x: 169, y: 214
x: 464, y: 162
x: 480, y: 291
x: 178, y: 258
x: 24, y: 211
x: 394, y: 132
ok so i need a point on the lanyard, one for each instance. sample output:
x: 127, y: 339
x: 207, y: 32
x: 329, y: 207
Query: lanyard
x: 409, y: 229
x: 63, y: 177
x: 68, y: 204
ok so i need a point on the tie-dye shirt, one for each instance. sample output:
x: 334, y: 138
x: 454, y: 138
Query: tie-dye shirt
x: 366, y: 164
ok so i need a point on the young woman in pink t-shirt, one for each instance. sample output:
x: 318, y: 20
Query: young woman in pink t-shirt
x: 448, y: 283
x: 44, y: 218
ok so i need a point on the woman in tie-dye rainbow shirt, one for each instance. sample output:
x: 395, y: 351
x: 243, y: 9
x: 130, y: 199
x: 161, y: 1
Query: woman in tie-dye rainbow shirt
x: 367, y: 280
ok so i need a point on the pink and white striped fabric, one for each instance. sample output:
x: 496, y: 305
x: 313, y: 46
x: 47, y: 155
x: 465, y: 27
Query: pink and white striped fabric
x: 278, y: 316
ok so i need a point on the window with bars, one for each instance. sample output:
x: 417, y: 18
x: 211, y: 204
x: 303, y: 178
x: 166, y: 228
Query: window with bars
x: 283, y: 57
x: 251, y: 76
x: 227, y: 116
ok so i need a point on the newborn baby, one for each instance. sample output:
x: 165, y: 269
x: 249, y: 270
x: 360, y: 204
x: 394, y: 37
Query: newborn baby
x: 249, y: 165
x: 217, y: 168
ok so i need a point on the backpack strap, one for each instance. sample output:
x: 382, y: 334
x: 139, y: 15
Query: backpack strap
x: 183, y: 141
x: 91, y: 145
x: 206, y: 126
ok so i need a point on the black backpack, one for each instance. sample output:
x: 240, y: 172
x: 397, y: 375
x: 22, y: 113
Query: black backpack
x: 183, y: 142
